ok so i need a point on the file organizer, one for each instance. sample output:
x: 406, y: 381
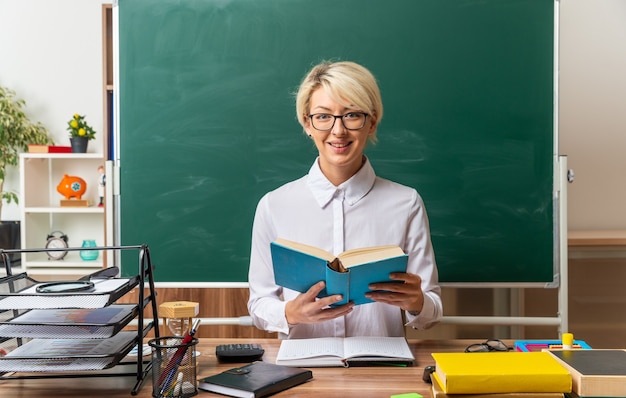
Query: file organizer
x: 79, y: 333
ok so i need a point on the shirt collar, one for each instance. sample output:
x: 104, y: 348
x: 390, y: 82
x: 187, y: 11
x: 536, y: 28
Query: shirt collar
x: 354, y: 189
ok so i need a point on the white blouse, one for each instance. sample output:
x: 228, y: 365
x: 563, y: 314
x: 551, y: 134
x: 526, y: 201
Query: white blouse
x: 364, y: 211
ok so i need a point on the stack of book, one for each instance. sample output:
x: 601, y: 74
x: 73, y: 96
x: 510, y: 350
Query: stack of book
x: 499, y: 374
x: 34, y: 148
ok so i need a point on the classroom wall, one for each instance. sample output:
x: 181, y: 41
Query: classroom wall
x: 592, y: 119
x: 52, y: 56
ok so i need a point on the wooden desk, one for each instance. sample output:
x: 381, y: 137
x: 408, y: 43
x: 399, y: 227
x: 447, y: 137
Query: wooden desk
x: 360, y: 382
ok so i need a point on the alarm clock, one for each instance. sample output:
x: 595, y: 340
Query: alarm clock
x: 56, y: 240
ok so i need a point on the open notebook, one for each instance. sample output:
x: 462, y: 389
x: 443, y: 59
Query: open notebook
x: 344, y: 351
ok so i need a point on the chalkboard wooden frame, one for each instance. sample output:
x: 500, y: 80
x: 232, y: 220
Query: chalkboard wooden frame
x: 207, y: 125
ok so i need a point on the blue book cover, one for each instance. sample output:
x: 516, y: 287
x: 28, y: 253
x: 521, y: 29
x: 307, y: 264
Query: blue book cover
x: 299, y: 266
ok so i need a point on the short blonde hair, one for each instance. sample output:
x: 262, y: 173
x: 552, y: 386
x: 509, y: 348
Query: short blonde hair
x: 348, y: 83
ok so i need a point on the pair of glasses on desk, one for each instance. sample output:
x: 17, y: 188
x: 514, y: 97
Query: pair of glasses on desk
x: 487, y: 346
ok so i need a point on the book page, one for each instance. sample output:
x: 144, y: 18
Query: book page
x: 304, y: 248
x: 384, y: 347
x: 365, y: 255
x: 310, y: 348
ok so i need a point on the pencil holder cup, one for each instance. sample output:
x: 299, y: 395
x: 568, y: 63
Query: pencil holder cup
x: 173, y: 367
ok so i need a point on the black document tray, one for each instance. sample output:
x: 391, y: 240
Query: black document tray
x: 59, y: 355
x: 18, y: 292
x: 75, y: 323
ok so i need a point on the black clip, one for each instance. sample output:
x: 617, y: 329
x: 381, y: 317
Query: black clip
x: 428, y: 370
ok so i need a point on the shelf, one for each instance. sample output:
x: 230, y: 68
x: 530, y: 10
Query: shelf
x: 41, y: 212
x: 34, y: 265
x: 68, y: 209
x: 44, y: 355
x: 57, y: 273
x: 63, y: 155
x: 69, y: 323
x: 20, y: 292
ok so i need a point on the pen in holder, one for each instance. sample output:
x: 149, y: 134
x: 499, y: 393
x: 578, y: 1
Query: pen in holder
x: 174, y: 365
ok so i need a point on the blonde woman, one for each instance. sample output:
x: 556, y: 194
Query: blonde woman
x: 339, y: 205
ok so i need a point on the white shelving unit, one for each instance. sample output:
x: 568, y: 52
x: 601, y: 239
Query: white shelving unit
x: 41, y: 213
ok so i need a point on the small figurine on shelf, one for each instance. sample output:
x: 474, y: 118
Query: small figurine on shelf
x: 101, y: 184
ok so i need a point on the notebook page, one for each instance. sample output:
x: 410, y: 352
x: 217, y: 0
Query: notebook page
x: 310, y: 348
x: 389, y: 347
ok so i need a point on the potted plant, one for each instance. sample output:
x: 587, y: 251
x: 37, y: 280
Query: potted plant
x: 16, y: 132
x: 80, y: 133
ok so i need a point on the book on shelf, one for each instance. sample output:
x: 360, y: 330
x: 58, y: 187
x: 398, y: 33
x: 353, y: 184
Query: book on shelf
x: 258, y: 379
x: 38, y: 355
x: 540, y: 345
x: 35, y: 148
x: 437, y: 392
x: 105, y: 291
x: 298, y: 266
x: 344, y: 351
x: 596, y: 372
x: 69, y: 322
x: 500, y: 372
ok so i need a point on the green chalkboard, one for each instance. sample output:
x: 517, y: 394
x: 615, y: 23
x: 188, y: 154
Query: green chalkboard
x: 207, y: 123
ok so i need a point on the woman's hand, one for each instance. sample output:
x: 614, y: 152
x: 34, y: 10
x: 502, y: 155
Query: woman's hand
x: 306, y: 309
x: 406, y: 293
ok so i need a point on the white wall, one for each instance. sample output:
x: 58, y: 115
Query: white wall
x: 51, y: 54
x: 593, y: 111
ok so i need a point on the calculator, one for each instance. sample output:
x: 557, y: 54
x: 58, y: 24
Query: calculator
x: 239, y: 352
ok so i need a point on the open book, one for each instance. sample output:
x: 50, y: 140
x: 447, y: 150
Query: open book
x: 344, y: 351
x: 298, y: 266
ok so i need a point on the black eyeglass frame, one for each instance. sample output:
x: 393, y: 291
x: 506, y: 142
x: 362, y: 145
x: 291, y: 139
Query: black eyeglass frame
x: 365, y: 115
x: 488, y: 345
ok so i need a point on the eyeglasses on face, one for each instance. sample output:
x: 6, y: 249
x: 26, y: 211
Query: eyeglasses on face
x: 326, y: 121
x: 488, y: 345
